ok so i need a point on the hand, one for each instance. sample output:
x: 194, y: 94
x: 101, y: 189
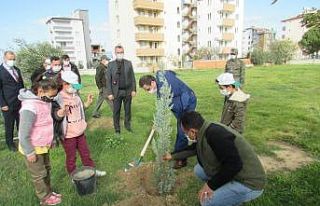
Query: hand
x: 90, y: 99
x: 205, y: 193
x: 167, y: 157
x: 32, y: 158
x: 111, y: 97
x: 133, y: 93
x: 63, y: 111
x: 5, y: 108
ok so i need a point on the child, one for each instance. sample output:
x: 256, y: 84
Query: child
x: 74, y: 123
x: 36, y: 136
x: 234, y: 109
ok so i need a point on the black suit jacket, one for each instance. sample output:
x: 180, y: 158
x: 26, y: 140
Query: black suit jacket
x: 9, y: 89
x: 112, y: 77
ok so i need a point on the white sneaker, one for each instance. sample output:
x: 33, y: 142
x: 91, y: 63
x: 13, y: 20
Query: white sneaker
x: 100, y: 173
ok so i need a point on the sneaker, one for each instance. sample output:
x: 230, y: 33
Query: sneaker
x: 51, y: 200
x: 100, y: 173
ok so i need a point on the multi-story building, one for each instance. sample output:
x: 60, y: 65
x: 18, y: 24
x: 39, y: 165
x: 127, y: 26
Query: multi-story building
x: 189, y: 28
x: 220, y: 25
x: 254, y: 37
x: 72, y: 35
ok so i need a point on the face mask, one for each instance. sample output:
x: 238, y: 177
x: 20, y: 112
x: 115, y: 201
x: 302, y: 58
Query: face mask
x: 10, y: 63
x: 71, y: 90
x: 66, y: 63
x: 48, y: 67
x: 232, y: 56
x: 119, y: 57
x: 46, y: 99
x: 190, y: 141
x: 225, y: 92
x: 56, y: 68
x: 153, y: 91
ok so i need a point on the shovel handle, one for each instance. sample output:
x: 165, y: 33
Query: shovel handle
x: 147, y: 143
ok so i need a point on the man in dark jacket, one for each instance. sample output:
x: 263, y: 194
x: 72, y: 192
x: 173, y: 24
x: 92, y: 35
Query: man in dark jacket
x: 121, y: 87
x: 227, y: 163
x: 10, y: 83
x: 101, y: 83
x: 38, y: 72
x: 67, y: 65
x: 183, y: 100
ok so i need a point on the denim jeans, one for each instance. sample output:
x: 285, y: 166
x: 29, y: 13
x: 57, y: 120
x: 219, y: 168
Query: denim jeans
x: 231, y: 193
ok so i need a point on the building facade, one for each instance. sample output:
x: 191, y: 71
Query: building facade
x: 72, y: 35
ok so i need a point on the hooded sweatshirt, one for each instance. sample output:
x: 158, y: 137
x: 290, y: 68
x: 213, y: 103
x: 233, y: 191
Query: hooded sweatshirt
x: 36, y: 124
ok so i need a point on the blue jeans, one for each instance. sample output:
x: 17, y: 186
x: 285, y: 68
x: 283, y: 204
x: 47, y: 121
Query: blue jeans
x: 231, y: 193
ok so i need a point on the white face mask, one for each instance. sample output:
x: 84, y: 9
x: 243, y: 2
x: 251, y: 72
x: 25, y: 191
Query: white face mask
x: 56, y: 68
x: 66, y: 63
x: 232, y: 56
x: 153, y: 91
x: 11, y: 63
x: 48, y: 67
x: 225, y: 92
x: 190, y: 141
x: 119, y: 57
x: 71, y: 90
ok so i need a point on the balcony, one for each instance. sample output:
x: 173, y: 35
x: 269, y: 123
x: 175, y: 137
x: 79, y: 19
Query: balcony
x: 149, y: 37
x: 148, y: 21
x: 227, y: 36
x: 148, y: 52
x: 148, y: 5
x: 228, y: 22
x: 228, y: 8
x: 225, y: 50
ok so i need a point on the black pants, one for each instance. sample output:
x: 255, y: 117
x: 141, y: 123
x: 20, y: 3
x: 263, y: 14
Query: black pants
x: 10, y: 117
x: 126, y: 99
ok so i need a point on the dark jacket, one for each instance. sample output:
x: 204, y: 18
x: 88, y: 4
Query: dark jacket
x: 100, y: 77
x: 234, y: 110
x: 112, y: 76
x: 9, y: 89
x: 225, y: 156
x: 183, y: 98
x: 37, y: 73
x: 58, y: 135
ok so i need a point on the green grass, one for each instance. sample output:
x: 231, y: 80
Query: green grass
x: 284, y: 106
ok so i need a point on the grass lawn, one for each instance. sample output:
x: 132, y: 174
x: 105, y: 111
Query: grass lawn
x: 284, y: 105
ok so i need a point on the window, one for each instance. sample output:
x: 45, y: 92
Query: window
x: 178, y: 38
x: 118, y: 33
x: 116, y: 4
x: 118, y: 19
x: 283, y: 28
x: 178, y: 52
x: 178, y: 24
x: 178, y: 10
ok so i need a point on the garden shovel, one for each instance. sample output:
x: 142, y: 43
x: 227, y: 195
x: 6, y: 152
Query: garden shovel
x: 143, y: 151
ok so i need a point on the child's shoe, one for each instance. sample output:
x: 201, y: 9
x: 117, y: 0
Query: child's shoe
x: 51, y: 199
x: 100, y: 173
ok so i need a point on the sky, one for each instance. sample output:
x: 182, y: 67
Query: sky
x: 26, y: 18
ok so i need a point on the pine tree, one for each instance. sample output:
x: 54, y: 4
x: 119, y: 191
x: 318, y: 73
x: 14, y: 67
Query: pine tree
x: 164, y: 173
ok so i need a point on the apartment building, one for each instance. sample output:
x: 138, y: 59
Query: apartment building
x: 72, y: 35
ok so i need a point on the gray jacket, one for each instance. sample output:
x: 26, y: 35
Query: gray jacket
x: 112, y: 76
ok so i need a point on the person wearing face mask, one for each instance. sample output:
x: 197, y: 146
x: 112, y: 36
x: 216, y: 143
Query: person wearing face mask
x: 36, y: 137
x: 183, y: 100
x: 121, y: 87
x: 101, y: 83
x: 44, y: 67
x: 67, y: 65
x: 236, y: 67
x: 10, y: 83
x: 227, y: 163
x: 234, y: 109
x: 74, y: 122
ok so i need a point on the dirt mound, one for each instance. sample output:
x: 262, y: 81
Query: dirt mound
x: 100, y: 123
x: 140, y: 186
x: 287, y: 158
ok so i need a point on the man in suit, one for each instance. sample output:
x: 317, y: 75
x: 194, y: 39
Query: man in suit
x: 10, y: 83
x: 67, y: 65
x: 101, y: 84
x: 121, y: 87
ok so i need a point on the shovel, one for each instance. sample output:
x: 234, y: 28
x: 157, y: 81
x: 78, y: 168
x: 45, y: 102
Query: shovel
x: 143, y: 151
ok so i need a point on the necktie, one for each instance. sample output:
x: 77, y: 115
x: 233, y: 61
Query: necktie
x: 15, y: 74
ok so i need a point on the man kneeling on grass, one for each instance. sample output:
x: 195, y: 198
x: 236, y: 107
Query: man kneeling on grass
x: 226, y: 162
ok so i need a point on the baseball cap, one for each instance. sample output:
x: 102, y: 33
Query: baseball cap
x: 71, y: 78
x: 225, y: 79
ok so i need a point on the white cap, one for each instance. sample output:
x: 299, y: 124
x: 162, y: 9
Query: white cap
x: 71, y: 78
x: 225, y: 79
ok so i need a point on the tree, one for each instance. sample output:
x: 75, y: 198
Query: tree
x: 203, y: 53
x: 310, y: 42
x: 31, y: 56
x: 282, y: 51
x: 164, y: 173
x: 312, y: 19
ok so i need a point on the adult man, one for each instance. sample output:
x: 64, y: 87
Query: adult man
x: 10, y: 83
x: 235, y: 104
x: 67, y: 66
x: 101, y: 83
x: 226, y: 162
x: 236, y: 67
x: 44, y: 67
x: 183, y: 100
x: 121, y: 87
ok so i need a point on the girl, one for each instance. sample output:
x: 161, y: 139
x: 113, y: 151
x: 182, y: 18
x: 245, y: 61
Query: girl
x: 36, y: 136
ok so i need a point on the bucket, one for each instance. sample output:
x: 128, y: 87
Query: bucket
x: 84, y: 179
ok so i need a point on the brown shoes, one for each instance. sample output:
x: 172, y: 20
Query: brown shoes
x: 179, y: 164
